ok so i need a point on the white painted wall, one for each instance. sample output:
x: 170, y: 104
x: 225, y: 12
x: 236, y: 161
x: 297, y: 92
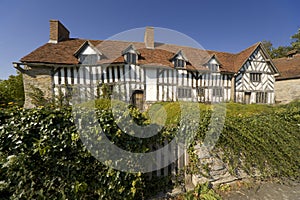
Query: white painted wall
x: 151, y: 85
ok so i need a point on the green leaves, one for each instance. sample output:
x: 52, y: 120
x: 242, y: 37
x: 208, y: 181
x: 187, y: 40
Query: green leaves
x: 12, y: 91
x: 42, y: 157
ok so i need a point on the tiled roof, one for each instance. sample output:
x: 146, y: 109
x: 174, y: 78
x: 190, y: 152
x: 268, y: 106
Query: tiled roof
x: 60, y: 53
x: 289, y: 67
x: 64, y: 53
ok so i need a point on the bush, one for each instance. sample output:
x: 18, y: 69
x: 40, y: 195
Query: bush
x: 42, y: 157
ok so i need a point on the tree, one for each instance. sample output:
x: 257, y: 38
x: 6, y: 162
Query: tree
x: 269, y: 47
x: 282, y: 51
x: 296, y: 40
x: 279, y: 52
x: 12, y: 90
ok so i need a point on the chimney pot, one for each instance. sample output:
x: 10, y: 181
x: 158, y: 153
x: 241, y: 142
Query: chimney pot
x: 149, y: 37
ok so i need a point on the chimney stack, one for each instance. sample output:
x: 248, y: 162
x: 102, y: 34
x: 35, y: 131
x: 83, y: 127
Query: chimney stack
x: 149, y: 37
x: 58, y: 32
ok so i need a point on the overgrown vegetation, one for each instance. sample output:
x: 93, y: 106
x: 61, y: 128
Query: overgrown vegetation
x: 42, y: 156
x: 201, y: 191
x: 260, y: 139
x: 282, y: 51
x: 12, y: 91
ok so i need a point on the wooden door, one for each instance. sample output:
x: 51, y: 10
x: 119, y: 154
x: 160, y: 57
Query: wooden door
x: 138, y: 99
x: 247, y: 97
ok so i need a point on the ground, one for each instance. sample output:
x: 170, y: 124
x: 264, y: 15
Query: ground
x: 266, y: 191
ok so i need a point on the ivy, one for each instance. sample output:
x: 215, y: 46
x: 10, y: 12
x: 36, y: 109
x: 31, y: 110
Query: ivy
x: 42, y: 156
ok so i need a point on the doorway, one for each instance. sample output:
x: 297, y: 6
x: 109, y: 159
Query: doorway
x: 138, y: 99
x: 247, y: 97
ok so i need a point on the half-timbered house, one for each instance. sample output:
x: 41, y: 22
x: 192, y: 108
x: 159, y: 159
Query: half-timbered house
x: 146, y: 72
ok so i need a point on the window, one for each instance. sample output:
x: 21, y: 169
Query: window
x: 217, y: 92
x: 89, y: 59
x: 200, y: 91
x: 178, y: 63
x: 213, y: 67
x: 131, y: 58
x: 184, y: 93
x: 261, y: 97
x: 255, y: 77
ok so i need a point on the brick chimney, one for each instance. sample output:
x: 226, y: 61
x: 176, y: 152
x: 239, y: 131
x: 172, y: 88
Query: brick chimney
x: 149, y: 37
x: 58, y: 32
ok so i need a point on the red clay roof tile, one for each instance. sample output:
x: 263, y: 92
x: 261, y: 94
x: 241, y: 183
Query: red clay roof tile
x: 289, y: 67
x: 63, y: 53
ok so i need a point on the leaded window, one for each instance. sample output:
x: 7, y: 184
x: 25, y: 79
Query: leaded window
x: 184, y: 92
x: 131, y: 58
x: 217, y: 92
x: 255, y: 77
x: 178, y: 63
x: 261, y: 97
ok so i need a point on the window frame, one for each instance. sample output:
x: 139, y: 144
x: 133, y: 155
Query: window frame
x: 217, y: 92
x: 131, y: 58
x: 84, y: 57
x: 261, y: 97
x: 255, y: 77
x: 179, y: 63
x: 213, y: 67
x: 184, y: 92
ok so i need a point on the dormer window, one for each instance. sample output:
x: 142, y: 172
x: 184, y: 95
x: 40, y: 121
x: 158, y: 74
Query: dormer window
x: 213, y: 64
x: 87, y: 54
x: 131, y: 54
x: 179, y: 63
x: 88, y: 59
x: 179, y: 60
x: 213, y: 67
x: 131, y: 58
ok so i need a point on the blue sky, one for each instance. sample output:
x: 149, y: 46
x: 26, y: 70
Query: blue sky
x: 230, y: 25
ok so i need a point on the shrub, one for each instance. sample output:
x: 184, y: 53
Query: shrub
x: 42, y: 157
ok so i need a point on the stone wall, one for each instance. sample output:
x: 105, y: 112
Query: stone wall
x: 39, y: 77
x: 287, y: 90
x: 213, y: 169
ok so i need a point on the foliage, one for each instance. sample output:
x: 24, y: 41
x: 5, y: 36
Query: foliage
x: 281, y: 51
x: 202, y: 192
x: 42, y: 157
x: 266, y: 142
x: 37, y: 96
x: 257, y: 138
x: 11, y: 90
x: 296, y: 40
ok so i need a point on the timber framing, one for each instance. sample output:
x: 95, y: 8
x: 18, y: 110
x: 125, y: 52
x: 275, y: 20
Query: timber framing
x: 155, y: 75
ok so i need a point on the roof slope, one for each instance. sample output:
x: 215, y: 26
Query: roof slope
x: 289, y: 67
x: 64, y: 53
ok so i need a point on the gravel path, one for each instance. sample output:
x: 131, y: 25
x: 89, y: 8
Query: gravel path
x: 267, y: 191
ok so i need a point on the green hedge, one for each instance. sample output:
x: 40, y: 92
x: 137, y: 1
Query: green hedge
x: 42, y: 156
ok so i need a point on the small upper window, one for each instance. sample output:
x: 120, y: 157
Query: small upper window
x: 131, y: 58
x: 179, y: 63
x: 89, y: 59
x: 255, y: 77
x: 213, y: 67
